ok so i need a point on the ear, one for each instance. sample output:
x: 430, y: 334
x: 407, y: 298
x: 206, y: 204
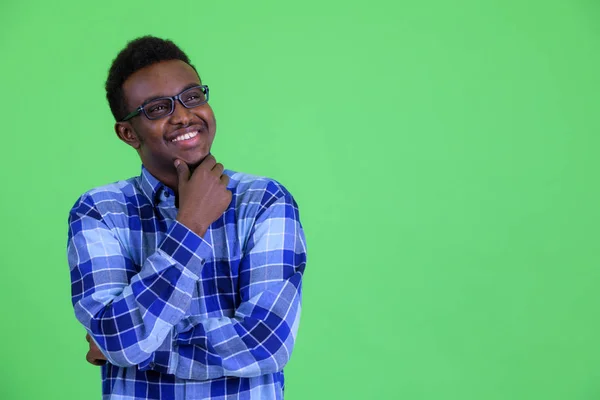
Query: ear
x: 125, y: 132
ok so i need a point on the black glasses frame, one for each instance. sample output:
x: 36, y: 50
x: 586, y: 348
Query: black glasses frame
x: 142, y: 110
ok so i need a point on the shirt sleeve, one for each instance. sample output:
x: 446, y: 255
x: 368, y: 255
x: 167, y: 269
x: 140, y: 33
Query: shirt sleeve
x: 130, y: 310
x: 260, y: 337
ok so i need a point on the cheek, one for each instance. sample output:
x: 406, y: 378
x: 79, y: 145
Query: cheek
x: 151, y: 138
x: 208, y: 115
x: 213, y: 125
x: 154, y: 131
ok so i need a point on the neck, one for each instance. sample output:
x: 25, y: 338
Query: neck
x: 167, y: 175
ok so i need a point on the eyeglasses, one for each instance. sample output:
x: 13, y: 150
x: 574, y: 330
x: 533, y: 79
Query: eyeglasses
x: 164, y: 106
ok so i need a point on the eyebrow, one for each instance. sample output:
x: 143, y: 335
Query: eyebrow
x: 186, y: 87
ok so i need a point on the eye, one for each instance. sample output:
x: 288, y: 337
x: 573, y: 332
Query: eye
x: 194, y: 97
x: 157, y: 108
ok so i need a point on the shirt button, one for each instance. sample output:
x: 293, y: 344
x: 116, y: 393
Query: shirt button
x: 151, y: 365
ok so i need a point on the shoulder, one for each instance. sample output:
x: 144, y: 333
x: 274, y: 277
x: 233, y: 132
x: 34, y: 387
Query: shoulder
x: 257, y: 197
x: 102, y: 199
x: 253, y: 188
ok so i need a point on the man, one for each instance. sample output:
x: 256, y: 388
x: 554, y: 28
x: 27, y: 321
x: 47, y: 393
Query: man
x: 188, y: 277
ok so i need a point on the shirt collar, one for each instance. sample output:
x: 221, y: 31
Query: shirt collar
x: 152, y: 187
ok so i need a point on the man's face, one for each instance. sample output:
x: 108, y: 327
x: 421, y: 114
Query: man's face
x: 155, y: 139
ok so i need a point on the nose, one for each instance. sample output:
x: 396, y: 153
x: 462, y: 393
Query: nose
x: 180, y: 115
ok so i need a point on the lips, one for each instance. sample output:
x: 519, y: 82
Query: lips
x: 185, y: 136
x: 185, y: 133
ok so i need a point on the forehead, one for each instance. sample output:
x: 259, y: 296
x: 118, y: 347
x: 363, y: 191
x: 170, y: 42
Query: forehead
x: 166, y: 78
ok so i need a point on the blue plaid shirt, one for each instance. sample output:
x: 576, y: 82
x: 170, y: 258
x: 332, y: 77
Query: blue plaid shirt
x: 183, y: 317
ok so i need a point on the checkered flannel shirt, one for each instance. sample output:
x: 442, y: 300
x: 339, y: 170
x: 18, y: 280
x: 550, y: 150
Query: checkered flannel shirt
x: 179, y: 316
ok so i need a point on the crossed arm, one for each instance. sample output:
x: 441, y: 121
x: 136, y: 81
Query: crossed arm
x: 138, y: 318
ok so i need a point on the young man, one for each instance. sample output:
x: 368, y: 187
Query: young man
x: 188, y: 277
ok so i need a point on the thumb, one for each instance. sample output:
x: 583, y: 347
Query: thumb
x: 183, y: 172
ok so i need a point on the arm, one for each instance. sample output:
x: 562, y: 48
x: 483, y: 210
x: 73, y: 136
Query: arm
x: 128, y: 312
x: 260, y: 337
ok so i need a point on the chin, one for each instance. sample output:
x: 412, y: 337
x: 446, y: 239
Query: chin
x: 195, y: 161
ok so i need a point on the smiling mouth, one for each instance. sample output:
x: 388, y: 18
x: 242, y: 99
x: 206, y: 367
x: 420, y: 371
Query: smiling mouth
x: 185, y: 136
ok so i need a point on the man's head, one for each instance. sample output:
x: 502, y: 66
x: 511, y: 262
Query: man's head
x: 146, y: 69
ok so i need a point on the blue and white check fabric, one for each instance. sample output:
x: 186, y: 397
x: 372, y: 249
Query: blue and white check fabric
x: 184, y: 317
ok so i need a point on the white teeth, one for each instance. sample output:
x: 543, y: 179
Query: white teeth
x: 185, y: 136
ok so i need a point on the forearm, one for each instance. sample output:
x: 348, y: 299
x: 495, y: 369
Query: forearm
x: 260, y: 337
x: 130, y: 323
x: 258, y: 340
x: 130, y: 311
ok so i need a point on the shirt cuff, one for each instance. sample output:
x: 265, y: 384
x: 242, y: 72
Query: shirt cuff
x: 186, y: 248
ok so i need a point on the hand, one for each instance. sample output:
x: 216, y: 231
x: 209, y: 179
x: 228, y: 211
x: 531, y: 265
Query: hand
x: 203, y: 196
x: 94, y: 355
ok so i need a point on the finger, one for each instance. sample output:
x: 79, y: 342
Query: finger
x: 183, y: 172
x: 225, y: 180
x: 218, y: 169
x: 89, y: 358
x: 229, y: 197
x: 94, y: 359
x: 94, y: 350
x: 208, y: 163
x: 98, y: 362
x: 97, y: 355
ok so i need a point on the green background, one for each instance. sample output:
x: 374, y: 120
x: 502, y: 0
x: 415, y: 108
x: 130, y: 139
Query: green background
x: 444, y: 154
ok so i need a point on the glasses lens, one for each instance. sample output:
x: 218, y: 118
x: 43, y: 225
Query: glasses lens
x: 194, y: 97
x: 158, y: 108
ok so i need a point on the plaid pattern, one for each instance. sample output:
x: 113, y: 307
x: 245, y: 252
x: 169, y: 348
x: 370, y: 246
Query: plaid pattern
x: 184, y: 317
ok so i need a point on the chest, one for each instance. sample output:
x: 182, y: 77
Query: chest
x: 217, y: 291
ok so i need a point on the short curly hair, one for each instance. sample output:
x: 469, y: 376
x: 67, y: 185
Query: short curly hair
x: 138, y: 53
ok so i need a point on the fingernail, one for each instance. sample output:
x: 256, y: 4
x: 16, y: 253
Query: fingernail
x: 177, y: 162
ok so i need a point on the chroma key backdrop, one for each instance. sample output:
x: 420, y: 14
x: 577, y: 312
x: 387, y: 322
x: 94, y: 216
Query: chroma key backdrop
x: 445, y: 156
